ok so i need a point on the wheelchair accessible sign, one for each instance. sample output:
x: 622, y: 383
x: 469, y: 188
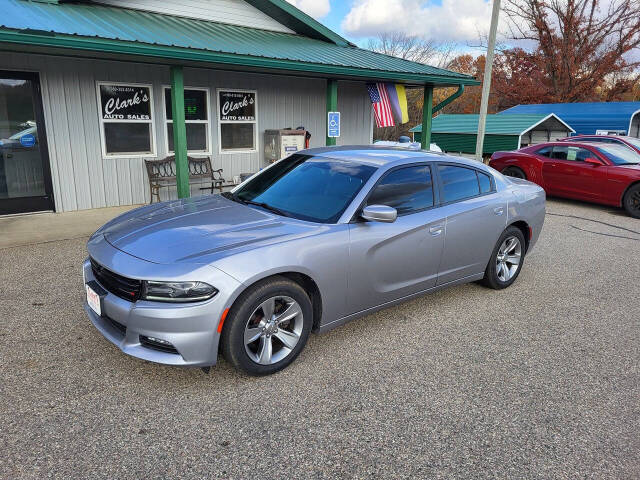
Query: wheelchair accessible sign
x: 333, y: 124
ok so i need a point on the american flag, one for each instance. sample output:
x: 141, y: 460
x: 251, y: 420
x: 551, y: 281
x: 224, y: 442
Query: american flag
x: 381, y: 104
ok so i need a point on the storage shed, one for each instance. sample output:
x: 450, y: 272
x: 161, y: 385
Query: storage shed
x: 458, y: 132
x: 618, y: 118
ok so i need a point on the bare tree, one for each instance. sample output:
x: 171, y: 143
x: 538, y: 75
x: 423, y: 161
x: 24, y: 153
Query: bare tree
x: 580, y: 43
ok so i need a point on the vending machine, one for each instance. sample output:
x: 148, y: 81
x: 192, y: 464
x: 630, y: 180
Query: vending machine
x: 279, y: 144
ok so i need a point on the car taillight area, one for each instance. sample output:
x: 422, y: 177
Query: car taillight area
x: 123, y: 287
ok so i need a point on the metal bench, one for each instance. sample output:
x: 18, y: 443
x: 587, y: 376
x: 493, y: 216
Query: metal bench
x: 162, y: 173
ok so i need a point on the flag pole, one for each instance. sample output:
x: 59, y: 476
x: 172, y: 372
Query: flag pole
x: 486, y: 84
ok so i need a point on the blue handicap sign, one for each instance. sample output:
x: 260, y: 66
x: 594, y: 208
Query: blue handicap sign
x: 333, y: 124
x: 28, y: 140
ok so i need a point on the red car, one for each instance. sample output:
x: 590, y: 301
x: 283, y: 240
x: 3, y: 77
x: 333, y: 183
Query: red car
x: 631, y: 142
x: 595, y: 172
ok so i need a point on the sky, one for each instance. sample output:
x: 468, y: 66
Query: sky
x: 460, y: 21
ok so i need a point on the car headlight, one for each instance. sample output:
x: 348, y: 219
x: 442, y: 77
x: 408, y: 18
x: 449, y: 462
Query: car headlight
x: 177, y: 291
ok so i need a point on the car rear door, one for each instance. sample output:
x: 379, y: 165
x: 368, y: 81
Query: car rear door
x: 392, y: 260
x: 475, y: 217
x: 569, y: 175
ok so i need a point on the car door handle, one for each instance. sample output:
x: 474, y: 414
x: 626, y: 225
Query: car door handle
x: 498, y: 210
x: 435, y: 230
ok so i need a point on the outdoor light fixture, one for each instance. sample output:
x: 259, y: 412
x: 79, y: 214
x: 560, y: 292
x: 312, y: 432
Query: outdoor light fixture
x: 177, y: 291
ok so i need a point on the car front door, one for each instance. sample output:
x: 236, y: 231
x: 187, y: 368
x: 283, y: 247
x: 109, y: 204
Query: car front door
x: 392, y: 260
x: 570, y: 176
x: 476, y: 216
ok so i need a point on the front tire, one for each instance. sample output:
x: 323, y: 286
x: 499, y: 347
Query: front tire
x: 267, y: 327
x: 514, y: 172
x: 506, y: 260
x: 631, y: 201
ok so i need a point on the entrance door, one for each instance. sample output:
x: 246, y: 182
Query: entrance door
x: 25, y: 177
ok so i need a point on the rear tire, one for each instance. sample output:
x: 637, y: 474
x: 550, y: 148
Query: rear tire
x: 515, y: 172
x: 506, y: 260
x: 267, y: 327
x: 631, y: 201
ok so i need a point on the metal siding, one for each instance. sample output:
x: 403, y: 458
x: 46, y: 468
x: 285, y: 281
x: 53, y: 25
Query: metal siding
x: 234, y: 12
x: 466, y: 143
x: 584, y: 118
x: 83, y: 179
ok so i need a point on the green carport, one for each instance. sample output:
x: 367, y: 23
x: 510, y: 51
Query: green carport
x: 458, y: 132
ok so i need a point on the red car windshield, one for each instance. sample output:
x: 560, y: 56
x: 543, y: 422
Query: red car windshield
x: 619, y: 155
x: 633, y: 141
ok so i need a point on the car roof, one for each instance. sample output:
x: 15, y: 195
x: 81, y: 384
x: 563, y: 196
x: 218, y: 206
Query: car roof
x: 377, y: 156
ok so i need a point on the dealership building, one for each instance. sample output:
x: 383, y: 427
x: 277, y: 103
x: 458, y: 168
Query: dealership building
x: 88, y: 90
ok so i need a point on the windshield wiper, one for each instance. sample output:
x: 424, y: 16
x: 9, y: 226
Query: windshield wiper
x: 266, y: 206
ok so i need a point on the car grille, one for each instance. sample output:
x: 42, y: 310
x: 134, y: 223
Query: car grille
x: 126, y: 288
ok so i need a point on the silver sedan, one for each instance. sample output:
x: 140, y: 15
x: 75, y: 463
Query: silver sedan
x: 313, y: 241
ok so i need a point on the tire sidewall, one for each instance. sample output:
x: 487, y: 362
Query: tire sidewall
x: 521, y: 173
x: 491, y: 275
x: 232, y: 338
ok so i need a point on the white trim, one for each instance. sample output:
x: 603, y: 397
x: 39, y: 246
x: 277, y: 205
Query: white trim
x: 631, y: 123
x: 102, y: 121
x: 255, y: 122
x: 547, y: 118
x: 166, y: 121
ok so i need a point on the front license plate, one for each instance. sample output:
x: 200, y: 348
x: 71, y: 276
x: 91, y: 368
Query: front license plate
x: 93, y: 300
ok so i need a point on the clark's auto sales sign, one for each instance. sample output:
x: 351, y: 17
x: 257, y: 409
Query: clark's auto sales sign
x: 125, y: 102
x: 237, y: 106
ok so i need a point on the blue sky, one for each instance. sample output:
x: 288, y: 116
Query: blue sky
x: 459, y: 21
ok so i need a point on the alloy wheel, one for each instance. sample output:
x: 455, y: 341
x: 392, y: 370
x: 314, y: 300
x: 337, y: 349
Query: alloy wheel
x: 273, y: 330
x: 508, y: 258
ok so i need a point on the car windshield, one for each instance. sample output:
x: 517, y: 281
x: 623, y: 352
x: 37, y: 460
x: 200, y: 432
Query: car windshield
x: 619, y: 155
x: 306, y: 187
x: 633, y: 141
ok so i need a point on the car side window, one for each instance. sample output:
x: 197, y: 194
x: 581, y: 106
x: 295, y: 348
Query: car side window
x: 407, y: 189
x: 458, y: 183
x: 485, y: 182
x: 575, y: 154
x: 545, y: 152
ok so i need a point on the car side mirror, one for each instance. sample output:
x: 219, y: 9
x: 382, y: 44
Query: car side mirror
x: 593, y: 161
x: 379, y: 213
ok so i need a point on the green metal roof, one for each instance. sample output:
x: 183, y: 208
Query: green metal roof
x: 98, y: 28
x: 496, y: 124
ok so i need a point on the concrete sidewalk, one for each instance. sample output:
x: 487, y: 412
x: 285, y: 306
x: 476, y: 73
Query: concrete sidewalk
x: 35, y: 228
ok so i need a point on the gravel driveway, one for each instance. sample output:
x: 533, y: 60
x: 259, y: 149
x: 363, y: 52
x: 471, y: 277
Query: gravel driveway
x: 537, y: 381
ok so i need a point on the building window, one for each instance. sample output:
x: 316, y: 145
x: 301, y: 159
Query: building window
x: 196, y: 115
x: 237, y: 120
x: 126, y: 120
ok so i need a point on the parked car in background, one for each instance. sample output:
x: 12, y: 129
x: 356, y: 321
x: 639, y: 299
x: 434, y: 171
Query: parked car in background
x: 630, y: 142
x: 309, y: 243
x: 595, y: 172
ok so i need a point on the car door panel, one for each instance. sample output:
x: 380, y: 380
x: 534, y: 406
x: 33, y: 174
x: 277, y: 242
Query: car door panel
x: 472, y: 229
x: 392, y: 260
x: 574, y: 178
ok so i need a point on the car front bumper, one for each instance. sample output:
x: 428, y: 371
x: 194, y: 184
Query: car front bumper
x: 190, y: 328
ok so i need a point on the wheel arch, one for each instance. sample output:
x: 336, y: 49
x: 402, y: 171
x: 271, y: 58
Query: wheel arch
x: 526, y: 231
x: 629, y: 187
x: 305, y: 281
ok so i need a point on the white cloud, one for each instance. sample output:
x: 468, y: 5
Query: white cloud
x: 315, y: 8
x: 452, y: 20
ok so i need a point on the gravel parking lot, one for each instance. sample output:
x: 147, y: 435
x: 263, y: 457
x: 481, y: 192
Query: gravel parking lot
x: 537, y: 381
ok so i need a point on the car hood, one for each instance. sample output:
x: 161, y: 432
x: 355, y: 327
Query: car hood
x: 199, y: 230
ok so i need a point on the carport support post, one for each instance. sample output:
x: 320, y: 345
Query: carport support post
x: 179, y: 131
x: 427, y: 113
x: 332, y: 106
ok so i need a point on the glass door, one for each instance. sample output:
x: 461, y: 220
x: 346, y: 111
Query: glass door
x: 25, y: 177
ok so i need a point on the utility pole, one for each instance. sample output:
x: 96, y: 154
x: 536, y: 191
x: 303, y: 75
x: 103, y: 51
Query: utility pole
x: 486, y: 84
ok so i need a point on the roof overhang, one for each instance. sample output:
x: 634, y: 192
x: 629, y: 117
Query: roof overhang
x: 95, y: 47
x: 551, y: 115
